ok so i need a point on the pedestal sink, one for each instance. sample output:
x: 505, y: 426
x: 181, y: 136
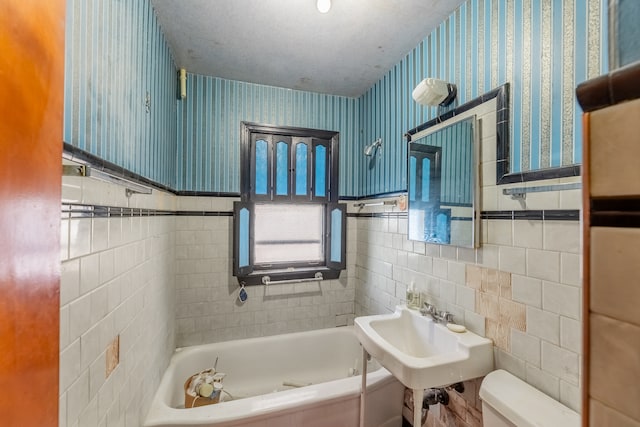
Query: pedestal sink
x: 421, y: 353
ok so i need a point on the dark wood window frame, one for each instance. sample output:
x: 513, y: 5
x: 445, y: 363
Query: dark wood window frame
x: 251, y: 273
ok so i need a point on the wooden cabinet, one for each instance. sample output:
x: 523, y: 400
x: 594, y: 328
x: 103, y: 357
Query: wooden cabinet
x: 611, y: 234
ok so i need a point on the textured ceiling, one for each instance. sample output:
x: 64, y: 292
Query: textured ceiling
x: 288, y: 43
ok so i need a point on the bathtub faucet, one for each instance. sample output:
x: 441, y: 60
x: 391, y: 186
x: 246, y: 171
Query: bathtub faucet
x: 437, y: 316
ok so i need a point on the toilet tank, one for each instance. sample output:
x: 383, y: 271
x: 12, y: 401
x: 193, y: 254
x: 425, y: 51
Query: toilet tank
x: 508, y: 401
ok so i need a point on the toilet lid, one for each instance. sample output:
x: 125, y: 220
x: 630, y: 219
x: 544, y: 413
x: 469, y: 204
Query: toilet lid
x: 522, y: 404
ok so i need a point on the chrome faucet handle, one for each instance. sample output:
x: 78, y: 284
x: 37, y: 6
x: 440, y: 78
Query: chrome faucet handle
x: 427, y: 309
x: 446, y: 317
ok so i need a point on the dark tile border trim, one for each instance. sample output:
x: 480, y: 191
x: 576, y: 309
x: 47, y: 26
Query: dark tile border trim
x: 496, y: 215
x: 529, y: 215
x: 203, y: 213
x: 534, y: 215
x: 377, y: 215
x: 561, y: 215
x: 74, y: 210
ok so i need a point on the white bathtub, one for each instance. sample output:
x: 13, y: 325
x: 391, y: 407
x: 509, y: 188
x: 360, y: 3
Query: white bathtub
x: 256, y: 369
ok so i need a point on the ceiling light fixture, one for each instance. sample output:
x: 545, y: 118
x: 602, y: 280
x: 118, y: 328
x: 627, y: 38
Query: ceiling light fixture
x: 323, y: 6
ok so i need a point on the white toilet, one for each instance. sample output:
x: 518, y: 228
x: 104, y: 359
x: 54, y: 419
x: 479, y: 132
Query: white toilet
x: 508, y: 401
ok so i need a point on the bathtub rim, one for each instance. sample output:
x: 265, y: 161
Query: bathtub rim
x: 161, y: 414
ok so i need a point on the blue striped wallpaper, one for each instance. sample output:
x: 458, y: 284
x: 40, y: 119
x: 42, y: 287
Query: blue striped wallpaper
x: 115, y: 56
x: 208, y: 155
x: 543, y: 48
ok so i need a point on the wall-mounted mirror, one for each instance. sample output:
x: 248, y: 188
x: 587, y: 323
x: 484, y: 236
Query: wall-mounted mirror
x: 443, y: 183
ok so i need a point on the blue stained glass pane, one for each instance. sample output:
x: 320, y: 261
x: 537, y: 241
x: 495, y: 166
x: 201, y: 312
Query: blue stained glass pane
x: 412, y: 179
x: 243, y: 239
x: 282, y: 168
x: 426, y: 177
x: 261, y: 167
x: 301, y: 169
x: 321, y: 171
x: 336, y: 235
x: 442, y: 228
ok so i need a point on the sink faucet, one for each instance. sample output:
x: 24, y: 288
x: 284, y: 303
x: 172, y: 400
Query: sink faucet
x: 437, y: 316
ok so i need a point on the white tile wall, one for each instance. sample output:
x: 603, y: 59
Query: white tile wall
x: 526, y: 290
x: 512, y: 259
x: 543, y: 381
x: 569, y: 395
x: 561, y: 363
x: 543, y: 257
x: 562, y: 299
x: 571, y: 334
x: 117, y: 279
x: 526, y: 347
x: 527, y: 234
x: 543, y: 264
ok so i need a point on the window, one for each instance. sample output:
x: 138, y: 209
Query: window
x: 296, y: 238
x: 288, y: 224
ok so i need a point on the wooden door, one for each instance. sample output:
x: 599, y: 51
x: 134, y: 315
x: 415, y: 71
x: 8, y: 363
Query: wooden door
x: 31, y: 105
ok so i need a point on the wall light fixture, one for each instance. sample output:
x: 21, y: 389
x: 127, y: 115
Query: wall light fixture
x: 183, y: 83
x: 434, y: 92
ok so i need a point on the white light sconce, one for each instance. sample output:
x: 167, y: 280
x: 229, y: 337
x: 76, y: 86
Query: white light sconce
x: 323, y: 6
x: 183, y: 83
x: 370, y: 149
x: 434, y: 92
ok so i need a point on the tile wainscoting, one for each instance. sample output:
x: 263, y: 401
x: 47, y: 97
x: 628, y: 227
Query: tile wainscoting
x: 117, y: 322
x: 164, y: 260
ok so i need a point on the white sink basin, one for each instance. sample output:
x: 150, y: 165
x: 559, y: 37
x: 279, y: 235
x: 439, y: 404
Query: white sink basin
x: 421, y: 353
